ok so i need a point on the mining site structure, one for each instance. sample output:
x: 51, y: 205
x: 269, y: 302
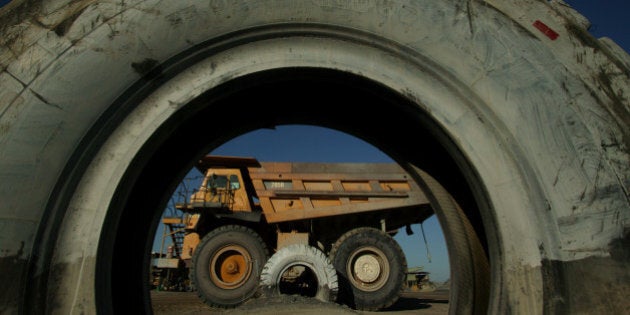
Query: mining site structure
x: 175, y: 231
x: 167, y: 269
x: 245, y: 210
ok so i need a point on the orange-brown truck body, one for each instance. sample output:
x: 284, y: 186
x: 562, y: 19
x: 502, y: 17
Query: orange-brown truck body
x: 294, y: 202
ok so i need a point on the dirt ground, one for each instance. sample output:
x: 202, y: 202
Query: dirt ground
x: 167, y: 303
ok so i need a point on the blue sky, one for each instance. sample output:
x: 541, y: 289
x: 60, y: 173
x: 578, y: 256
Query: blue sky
x: 609, y: 18
x: 314, y: 144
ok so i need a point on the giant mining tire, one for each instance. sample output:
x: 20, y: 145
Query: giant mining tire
x: 320, y: 278
x: 227, y: 264
x: 470, y: 272
x: 371, y: 266
x: 513, y: 106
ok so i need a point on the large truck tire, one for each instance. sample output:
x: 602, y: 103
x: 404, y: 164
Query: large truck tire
x: 469, y: 266
x: 317, y: 279
x: 512, y: 106
x: 227, y: 264
x: 371, y: 267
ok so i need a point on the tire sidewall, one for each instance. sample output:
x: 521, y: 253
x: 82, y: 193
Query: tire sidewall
x: 64, y: 238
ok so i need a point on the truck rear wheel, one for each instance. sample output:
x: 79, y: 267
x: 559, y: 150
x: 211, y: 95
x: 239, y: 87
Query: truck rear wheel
x: 371, y: 268
x: 227, y: 264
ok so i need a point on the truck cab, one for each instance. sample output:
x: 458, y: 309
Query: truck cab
x: 222, y: 188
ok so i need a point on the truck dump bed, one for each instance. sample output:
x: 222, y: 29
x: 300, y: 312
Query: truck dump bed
x: 289, y: 191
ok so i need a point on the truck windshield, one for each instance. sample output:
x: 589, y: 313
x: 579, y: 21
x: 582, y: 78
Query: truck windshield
x: 217, y: 181
x: 234, y: 183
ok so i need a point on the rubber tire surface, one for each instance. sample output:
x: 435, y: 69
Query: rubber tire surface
x: 470, y: 269
x: 539, y: 123
x: 300, y: 255
x: 210, y: 244
x: 394, y: 285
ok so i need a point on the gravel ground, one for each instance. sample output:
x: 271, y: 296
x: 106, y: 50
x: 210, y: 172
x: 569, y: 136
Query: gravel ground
x: 167, y: 303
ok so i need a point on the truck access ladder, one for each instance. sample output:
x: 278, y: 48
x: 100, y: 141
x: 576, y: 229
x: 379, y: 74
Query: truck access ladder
x: 175, y: 229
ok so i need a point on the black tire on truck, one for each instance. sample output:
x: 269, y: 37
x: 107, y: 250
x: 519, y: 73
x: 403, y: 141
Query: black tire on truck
x: 371, y: 267
x: 227, y: 264
x: 317, y: 278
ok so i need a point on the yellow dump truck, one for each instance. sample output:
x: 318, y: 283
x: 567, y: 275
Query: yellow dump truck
x: 245, y: 210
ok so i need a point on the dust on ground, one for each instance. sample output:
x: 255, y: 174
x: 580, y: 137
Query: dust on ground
x: 167, y: 303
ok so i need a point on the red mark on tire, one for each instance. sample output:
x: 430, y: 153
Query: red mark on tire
x: 542, y: 27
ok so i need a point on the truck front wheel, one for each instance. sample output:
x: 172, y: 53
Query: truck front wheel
x: 371, y: 268
x: 227, y: 264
